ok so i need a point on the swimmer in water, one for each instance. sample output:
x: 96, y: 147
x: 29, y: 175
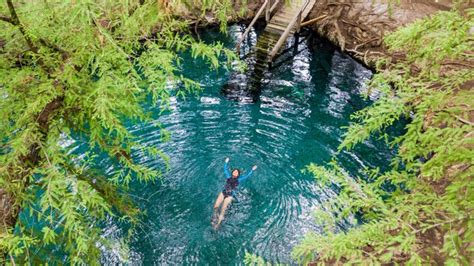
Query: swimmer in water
x: 228, y: 193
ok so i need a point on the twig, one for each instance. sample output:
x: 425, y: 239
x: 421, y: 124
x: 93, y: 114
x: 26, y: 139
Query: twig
x: 306, y: 23
x: 379, y: 53
x: 196, y: 30
x: 356, y: 25
x: 467, y: 122
x: 452, y: 241
x: 11, y: 260
x: 366, y: 42
x: 457, y: 63
x: 354, y: 51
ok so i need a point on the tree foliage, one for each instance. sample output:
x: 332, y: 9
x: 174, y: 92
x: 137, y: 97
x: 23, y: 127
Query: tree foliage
x: 76, y: 70
x: 254, y: 260
x: 427, y: 215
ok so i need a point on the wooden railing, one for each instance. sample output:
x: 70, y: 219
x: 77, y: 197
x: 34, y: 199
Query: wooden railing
x: 296, y: 20
x: 268, y: 10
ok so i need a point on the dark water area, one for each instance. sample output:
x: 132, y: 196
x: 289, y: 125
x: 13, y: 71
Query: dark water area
x: 302, y: 105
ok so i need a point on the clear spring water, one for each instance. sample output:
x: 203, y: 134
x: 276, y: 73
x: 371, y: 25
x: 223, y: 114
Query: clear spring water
x: 303, y: 105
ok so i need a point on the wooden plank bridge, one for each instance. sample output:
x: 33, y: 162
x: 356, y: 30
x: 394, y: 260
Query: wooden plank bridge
x: 281, y: 24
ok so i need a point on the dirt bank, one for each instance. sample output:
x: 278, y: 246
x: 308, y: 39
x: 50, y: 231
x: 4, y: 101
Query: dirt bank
x: 358, y: 27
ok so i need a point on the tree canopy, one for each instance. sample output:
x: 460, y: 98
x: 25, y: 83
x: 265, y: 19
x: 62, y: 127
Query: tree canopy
x: 76, y: 70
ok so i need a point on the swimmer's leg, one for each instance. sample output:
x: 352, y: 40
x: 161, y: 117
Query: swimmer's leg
x: 218, y: 203
x: 227, y: 201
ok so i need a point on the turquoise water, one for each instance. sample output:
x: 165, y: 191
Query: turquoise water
x: 303, y: 104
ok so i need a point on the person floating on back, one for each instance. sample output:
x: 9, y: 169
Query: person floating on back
x: 228, y: 193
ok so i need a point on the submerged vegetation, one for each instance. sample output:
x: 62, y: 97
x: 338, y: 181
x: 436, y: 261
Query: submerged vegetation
x: 77, y: 69
x: 420, y: 211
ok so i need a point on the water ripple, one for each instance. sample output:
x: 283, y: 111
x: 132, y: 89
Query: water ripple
x: 281, y: 133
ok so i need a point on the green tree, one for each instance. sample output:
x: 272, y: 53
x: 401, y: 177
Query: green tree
x: 78, y: 69
x: 427, y: 217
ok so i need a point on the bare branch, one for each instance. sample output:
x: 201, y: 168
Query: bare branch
x: 6, y: 19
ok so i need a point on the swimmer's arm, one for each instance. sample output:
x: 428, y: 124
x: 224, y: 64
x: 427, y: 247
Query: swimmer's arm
x: 226, y: 168
x: 242, y: 178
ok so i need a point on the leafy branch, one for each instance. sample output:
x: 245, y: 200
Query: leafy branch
x: 427, y: 214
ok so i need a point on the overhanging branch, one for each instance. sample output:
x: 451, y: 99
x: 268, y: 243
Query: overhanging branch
x: 16, y: 21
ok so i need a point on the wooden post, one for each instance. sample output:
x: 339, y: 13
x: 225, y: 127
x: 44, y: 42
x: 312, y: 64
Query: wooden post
x: 306, y: 23
x: 298, y: 22
x: 297, y: 40
x: 297, y: 33
x: 260, y: 11
x: 267, y: 12
x: 274, y: 6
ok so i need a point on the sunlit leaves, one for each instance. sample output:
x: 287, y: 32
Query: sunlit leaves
x: 16, y: 244
x: 430, y: 47
x: 49, y: 235
x: 254, y: 260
